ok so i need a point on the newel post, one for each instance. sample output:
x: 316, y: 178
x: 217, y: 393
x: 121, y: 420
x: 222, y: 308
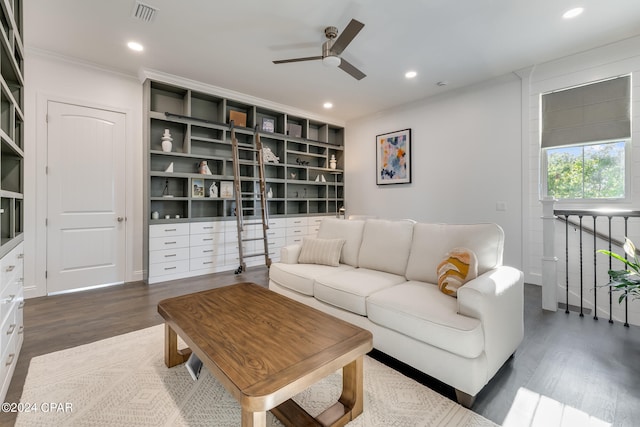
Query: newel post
x: 549, y: 260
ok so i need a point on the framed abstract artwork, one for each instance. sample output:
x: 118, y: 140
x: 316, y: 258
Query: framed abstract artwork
x: 393, y: 157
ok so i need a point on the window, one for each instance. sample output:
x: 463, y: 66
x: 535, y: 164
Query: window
x: 595, y: 171
x: 584, y: 137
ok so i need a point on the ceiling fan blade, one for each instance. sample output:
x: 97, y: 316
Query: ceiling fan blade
x: 348, y: 34
x: 350, y: 69
x: 308, y: 58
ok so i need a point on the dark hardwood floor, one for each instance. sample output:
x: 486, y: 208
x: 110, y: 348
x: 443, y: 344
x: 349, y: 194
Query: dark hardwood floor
x: 574, y: 363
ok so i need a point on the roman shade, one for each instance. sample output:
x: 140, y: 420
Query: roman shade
x: 595, y: 112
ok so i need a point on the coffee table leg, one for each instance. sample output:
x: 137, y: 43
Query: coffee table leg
x: 254, y: 419
x: 353, y: 386
x: 173, y: 356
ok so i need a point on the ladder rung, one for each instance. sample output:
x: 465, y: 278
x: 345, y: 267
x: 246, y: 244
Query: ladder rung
x: 248, y: 149
x: 252, y: 239
x: 254, y: 255
x: 253, y: 223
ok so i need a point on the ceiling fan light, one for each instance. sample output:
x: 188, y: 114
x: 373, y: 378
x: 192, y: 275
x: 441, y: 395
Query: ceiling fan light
x: 331, y: 61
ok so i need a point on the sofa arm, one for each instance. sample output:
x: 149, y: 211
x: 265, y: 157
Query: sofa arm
x: 289, y: 254
x: 496, y: 298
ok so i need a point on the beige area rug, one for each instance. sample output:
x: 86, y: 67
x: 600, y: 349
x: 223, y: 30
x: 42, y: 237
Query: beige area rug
x: 122, y: 381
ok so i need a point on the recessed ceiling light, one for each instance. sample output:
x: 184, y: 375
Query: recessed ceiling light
x: 327, y: 105
x: 410, y: 74
x: 572, y: 13
x: 135, y: 46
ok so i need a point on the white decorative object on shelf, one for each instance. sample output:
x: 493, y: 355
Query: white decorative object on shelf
x: 204, y: 168
x: 169, y: 168
x: 333, y: 162
x: 270, y: 193
x: 318, y: 178
x: 213, y: 190
x: 155, y: 215
x: 268, y: 156
x: 166, y: 141
x: 323, y: 178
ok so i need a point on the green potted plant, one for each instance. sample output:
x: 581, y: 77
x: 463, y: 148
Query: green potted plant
x: 628, y: 280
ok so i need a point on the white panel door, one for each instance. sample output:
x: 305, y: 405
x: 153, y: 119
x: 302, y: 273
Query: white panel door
x: 86, y: 197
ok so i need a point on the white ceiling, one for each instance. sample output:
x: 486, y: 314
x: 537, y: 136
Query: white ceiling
x: 231, y: 43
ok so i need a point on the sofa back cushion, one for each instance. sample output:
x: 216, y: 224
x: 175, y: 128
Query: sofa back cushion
x: 431, y: 243
x: 350, y: 231
x: 386, y: 245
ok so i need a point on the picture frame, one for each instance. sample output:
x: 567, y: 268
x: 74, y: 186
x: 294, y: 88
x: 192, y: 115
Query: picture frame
x: 295, y: 130
x: 393, y: 157
x: 268, y: 125
x: 226, y: 189
x: 197, y: 187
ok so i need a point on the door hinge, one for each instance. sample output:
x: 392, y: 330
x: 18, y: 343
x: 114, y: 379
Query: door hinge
x: 46, y: 274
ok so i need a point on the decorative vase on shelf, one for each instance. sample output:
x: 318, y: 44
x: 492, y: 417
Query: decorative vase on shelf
x: 213, y: 190
x: 166, y: 141
x: 270, y: 193
x: 203, y: 169
x: 333, y: 162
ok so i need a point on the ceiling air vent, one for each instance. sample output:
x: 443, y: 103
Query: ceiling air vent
x: 143, y: 12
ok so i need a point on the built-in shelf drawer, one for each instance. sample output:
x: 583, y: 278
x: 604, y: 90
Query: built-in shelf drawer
x: 166, y: 255
x: 169, y: 242
x: 164, y: 230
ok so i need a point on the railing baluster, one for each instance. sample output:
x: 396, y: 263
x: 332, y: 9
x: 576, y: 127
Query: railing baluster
x: 566, y: 259
x: 610, y: 268
x: 595, y: 270
x: 626, y: 300
x: 581, y: 275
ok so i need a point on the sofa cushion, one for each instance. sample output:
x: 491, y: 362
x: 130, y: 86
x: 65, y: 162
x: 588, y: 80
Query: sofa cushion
x: 458, y: 267
x: 350, y: 231
x: 432, y: 241
x: 300, y: 277
x: 420, y: 311
x: 386, y: 245
x: 350, y: 289
x: 320, y: 251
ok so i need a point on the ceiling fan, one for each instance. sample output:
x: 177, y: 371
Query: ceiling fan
x: 333, y: 47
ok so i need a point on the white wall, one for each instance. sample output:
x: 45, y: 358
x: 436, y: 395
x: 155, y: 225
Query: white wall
x: 466, y: 157
x: 50, y: 78
x: 612, y: 60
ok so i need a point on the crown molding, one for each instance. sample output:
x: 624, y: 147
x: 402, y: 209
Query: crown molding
x: 147, y: 73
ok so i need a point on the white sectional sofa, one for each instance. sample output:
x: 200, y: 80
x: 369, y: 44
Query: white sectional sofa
x: 386, y: 282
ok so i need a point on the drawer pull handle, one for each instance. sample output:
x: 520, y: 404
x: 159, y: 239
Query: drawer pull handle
x: 9, y: 299
x: 207, y: 251
x: 20, y: 256
x: 207, y: 262
x: 207, y: 240
x: 10, y: 359
x: 170, y: 255
x: 208, y: 228
x: 170, y: 268
x: 21, y: 330
x: 170, y: 229
x: 297, y: 231
x: 10, y: 268
x: 21, y: 306
x: 170, y: 243
x: 12, y: 328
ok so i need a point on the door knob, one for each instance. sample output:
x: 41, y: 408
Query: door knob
x: 120, y: 219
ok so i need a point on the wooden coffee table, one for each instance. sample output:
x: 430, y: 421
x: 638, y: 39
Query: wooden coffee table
x: 265, y: 348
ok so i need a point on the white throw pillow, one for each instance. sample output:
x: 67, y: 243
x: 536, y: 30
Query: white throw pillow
x: 321, y: 251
